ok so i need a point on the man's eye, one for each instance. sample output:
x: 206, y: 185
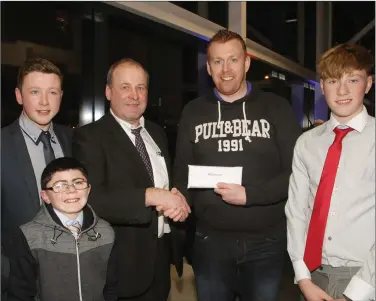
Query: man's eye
x: 234, y: 60
x: 34, y: 92
x: 61, y: 186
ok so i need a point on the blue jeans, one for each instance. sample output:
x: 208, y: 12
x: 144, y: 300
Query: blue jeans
x: 226, y: 266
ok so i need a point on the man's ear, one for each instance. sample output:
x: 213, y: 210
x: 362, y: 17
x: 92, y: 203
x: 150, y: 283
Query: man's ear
x: 44, y: 197
x: 369, y: 83
x: 247, y: 63
x: 322, y: 86
x: 208, y: 68
x: 18, y: 96
x: 108, y: 93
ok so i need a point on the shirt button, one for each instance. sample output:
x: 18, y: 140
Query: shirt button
x: 336, y: 188
x: 329, y: 238
x: 332, y: 213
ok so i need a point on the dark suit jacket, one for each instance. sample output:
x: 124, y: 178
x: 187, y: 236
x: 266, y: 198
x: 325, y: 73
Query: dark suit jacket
x: 119, y: 180
x: 19, y: 190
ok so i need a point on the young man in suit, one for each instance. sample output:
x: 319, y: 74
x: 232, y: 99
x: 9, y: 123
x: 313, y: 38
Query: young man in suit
x: 331, y: 205
x: 129, y: 167
x: 31, y: 142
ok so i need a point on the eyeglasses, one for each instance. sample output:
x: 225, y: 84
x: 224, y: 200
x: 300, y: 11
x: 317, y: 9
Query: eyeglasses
x: 63, y: 187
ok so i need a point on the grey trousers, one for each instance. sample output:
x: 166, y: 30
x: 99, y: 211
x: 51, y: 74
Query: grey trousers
x: 332, y: 280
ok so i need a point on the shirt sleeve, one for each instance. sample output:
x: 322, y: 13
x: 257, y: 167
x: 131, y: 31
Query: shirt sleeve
x: 362, y: 285
x: 296, y: 213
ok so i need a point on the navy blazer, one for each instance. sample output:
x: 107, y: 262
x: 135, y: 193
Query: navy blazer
x: 20, y: 200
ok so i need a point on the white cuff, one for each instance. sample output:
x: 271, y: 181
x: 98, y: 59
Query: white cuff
x: 358, y: 289
x: 301, y: 271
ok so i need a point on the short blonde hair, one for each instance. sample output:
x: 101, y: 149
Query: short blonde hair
x: 344, y: 58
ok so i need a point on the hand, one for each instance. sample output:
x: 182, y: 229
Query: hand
x: 343, y: 299
x: 177, y: 192
x: 312, y: 292
x: 172, y: 203
x: 176, y: 214
x: 232, y: 193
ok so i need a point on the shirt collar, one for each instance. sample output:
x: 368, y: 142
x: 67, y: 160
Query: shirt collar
x: 126, y: 124
x: 66, y: 221
x: 32, y: 130
x: 358, y: 122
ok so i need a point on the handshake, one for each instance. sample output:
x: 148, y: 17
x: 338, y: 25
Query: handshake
x: 171, y: 203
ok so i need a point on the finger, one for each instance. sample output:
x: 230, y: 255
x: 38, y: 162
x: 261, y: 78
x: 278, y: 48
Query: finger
x: 168, y: 212
x: 183, y: 218
x: 188, y: 208
x: 159, y: 208
x: 219, y: 191
x: 174, y: 191
x: 178, y: 217
x: 176, y: 213
x: 325, y: 296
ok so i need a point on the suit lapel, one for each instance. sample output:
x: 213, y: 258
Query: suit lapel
x: 24, y: 162
x: 124, y: 144
x: 63, y: 141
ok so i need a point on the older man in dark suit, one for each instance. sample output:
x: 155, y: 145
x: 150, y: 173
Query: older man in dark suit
x: 31, y: 142
x: 128, y: 163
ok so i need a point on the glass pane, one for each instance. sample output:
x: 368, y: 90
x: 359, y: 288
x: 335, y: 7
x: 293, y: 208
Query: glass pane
x: 50, y: 30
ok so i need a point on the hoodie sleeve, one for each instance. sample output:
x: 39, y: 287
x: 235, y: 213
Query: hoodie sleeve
x: 183, y: 156
x: 110, y: 289
x: 287, y: 131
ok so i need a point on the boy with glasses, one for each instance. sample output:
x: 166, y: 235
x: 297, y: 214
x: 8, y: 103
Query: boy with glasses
x: 66, y: 251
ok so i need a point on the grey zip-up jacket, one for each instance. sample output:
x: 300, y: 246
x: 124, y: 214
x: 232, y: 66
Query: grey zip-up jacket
x: 50, y: 264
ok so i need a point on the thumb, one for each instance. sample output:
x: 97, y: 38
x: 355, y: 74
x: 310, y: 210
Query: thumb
x: 174, y: 190
x: 222, y: 185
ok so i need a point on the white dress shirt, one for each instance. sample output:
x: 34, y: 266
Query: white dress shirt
x: 158, y: 164
x: 349, y: 239
x: 66, y: 221
x: 31, y: 132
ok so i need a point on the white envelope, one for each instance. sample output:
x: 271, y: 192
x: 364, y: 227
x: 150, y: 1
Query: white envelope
x: 208, y: 176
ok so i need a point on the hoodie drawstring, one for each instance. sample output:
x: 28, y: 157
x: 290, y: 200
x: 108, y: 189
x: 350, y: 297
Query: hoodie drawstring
x: 244, y: 128
x: 94, y: 237
x: 245, y: 131
x: 219, y: 113
x: 55, y: 238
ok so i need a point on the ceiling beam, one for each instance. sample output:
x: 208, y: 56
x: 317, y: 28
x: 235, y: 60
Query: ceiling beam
x: 362, y: 32
x: 183, y: 20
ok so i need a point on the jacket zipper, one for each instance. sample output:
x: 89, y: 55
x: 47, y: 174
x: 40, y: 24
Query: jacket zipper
x: 76, y: 237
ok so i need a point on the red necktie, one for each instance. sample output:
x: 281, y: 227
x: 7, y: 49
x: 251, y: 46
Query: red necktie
x: 316, y: 231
